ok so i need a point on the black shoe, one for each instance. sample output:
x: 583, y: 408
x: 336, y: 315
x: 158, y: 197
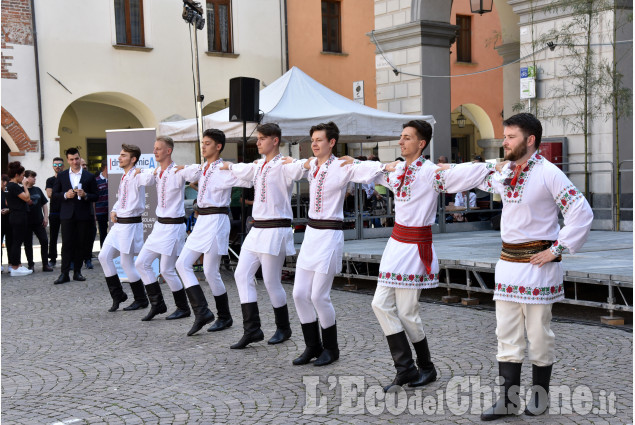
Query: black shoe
x: 539, y: 402
x: 63, y: 278
x: 202, y: 314
x: 283, y: 327
x: 509, y: 401
x: 224, y: 320
x: 402, y: 358
x: 116, y: 292
x: 46, y: 268
x: 89, y: 264
x: 52, y: 263
x: 30, y: 266
x: 311, y: 332
x: 78, y: 276
x: 427, y: 372
x: 251, y: 326
x: 156, y: 301
x: 182, y: 307
x: 331, y: 350
x: 140, y: 298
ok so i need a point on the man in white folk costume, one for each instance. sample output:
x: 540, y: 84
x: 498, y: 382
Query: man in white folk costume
x: 409, y: 263
x: 320, y: 257
x: 168, y: 237
x: 125, y: 238
x: 529, y: 274
x: 210, y: 235
x: 271, y: 238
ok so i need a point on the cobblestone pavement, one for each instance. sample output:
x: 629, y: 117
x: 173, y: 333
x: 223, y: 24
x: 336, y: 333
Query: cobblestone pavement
x: 65, y: 360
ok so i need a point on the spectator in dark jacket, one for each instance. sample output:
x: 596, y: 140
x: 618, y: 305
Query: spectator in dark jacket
x: 37, y: 222
x: 54, y: 211
x: 101, y: 206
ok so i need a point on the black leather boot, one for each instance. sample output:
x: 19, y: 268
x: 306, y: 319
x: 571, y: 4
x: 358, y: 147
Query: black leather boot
x: 224, y: 320
x: 182, y: 307
x: 311, y: 332
x: 157, y: 304
x: 202, y: 314
x: 331, y: 350
x: 509, y: 401
x: 140, y: 298
x: 539, y: 402
x: 402, y: 357
x: 251, y: 326
x: 283, y: 327
x: 116, y: 292
x: 427, y: 372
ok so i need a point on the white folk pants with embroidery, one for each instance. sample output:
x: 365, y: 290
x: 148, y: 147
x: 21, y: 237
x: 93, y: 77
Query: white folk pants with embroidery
x: 248, y: 264
x: 107, y: 256
x: 512, y: 320
x: 397, y: 309
x: 211, y: 263
x: 311, y: 292
x: 166, y: 267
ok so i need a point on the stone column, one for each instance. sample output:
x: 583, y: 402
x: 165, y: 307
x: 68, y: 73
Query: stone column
x: 511, y: 76
x: 491, y: 147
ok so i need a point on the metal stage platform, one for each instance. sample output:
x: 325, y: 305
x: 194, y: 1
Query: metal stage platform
x: 600, y: 275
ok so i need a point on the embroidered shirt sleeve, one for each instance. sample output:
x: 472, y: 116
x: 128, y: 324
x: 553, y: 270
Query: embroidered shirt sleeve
x: 364, y: 172
x: 460, y: 177
x: 577, y: 213
x: 295, y: 170
x: 556, y: 248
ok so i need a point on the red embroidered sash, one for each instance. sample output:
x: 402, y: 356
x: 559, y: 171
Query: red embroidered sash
x: 421, y: 236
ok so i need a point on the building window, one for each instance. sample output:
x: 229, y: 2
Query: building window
x: 331, y: 26
x: 219, y: 27
x: 464, y: 40
x: 129, y: 22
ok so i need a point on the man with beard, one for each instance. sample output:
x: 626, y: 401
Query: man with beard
x: 529, y: 273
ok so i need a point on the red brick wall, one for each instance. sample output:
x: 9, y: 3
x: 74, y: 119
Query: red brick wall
x: 16, y: 29
x: 17, y: 133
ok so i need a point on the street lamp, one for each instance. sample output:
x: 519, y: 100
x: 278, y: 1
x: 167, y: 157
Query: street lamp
x: 193, y: 15
x: 481, y: 6
x: 460, y: 120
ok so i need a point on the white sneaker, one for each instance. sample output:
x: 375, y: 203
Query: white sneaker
x: 21, y: 271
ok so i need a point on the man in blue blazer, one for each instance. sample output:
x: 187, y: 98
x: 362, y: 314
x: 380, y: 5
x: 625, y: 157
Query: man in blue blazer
x: 76, y: 190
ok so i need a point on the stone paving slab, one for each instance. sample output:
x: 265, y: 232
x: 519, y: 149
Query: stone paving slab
x: 65, y: 360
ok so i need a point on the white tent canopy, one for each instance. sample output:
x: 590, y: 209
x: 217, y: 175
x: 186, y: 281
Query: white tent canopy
x: 296, y: 102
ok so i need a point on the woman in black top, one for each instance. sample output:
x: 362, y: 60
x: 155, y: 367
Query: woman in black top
x: 37, y: 221
x: 17, y: 198
x: 5, y: 228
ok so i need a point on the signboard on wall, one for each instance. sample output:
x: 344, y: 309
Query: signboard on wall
x: 144, y: 138
x: 528, y: 82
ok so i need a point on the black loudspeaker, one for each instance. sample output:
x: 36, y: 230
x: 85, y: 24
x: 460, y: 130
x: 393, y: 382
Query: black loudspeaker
x: 244, y: 99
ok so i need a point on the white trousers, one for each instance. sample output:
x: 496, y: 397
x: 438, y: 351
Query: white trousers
x: 166, y: 266
x: 211, y: 264
x: 107, y: 257
x: 311, y: 292
x: 397, y: 309
x: 512, y: 320
x: 248, y: 264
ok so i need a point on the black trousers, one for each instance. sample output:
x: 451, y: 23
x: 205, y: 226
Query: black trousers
x: 74, y: 237
x: 102, y: 222
x: 5, y: 228
x: 54, y: 230
x: 88, y: 253
x: 40, y: 233
x: 19, y: 229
